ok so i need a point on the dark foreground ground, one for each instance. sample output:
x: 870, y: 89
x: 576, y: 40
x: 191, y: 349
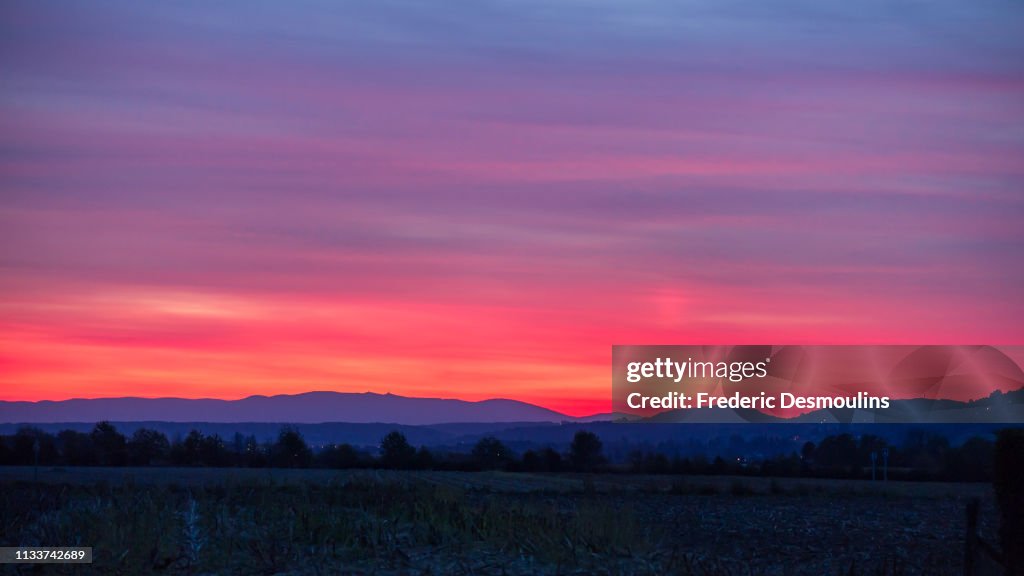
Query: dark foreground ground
x: 241, y: 521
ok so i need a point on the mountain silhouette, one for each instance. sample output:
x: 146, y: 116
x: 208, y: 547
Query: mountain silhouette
x: 308, y: 408
x: 372, y: 408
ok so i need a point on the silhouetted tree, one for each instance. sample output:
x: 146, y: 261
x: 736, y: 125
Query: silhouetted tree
x: 238, y: 447
x: 972, y: 461
x: 490, y: 454
x: 31, y: 445
x: 718, y: 465
x: 340, y: 456
x: 291, y: 450
x: 5, y: 452
x: 111, y: 446
x: 148, y: 447
x: 837, y: 452
x: 807, y: 451
x: 186, y: 451
x: 649, y: 462
x: 870, y: 443
x: 531, y: 461
x: 789, y: 465
x: 545, y: 460
x: 1009, y: 487
x: 395, y: 451
x: 76, y: 448
x: 254, y: 455
x: 424, y: 459
x: 585, y: 453
x: 214, y: 452
x: 925, y: 451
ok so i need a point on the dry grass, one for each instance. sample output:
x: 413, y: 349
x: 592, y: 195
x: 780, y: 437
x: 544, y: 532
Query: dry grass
x: 203, y: 521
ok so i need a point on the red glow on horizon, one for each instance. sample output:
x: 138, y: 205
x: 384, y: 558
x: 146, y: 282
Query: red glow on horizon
x: 156, y: 343
x: 208, y: 203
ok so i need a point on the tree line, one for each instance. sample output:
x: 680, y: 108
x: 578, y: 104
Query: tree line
x: 104, y: 445
x: 922, y: 456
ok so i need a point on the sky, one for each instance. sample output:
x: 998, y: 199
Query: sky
x: 477, y: 199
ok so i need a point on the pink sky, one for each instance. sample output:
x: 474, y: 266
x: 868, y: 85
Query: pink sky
x: 205, y: 201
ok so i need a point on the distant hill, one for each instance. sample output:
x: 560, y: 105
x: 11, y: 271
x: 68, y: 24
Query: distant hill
x: 308, y: 408
x: 608, y: 417
x: 371, y: 408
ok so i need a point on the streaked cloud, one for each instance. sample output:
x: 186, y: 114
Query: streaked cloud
x: 252, y: 198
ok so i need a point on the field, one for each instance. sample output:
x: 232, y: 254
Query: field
x: 252, y: 521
